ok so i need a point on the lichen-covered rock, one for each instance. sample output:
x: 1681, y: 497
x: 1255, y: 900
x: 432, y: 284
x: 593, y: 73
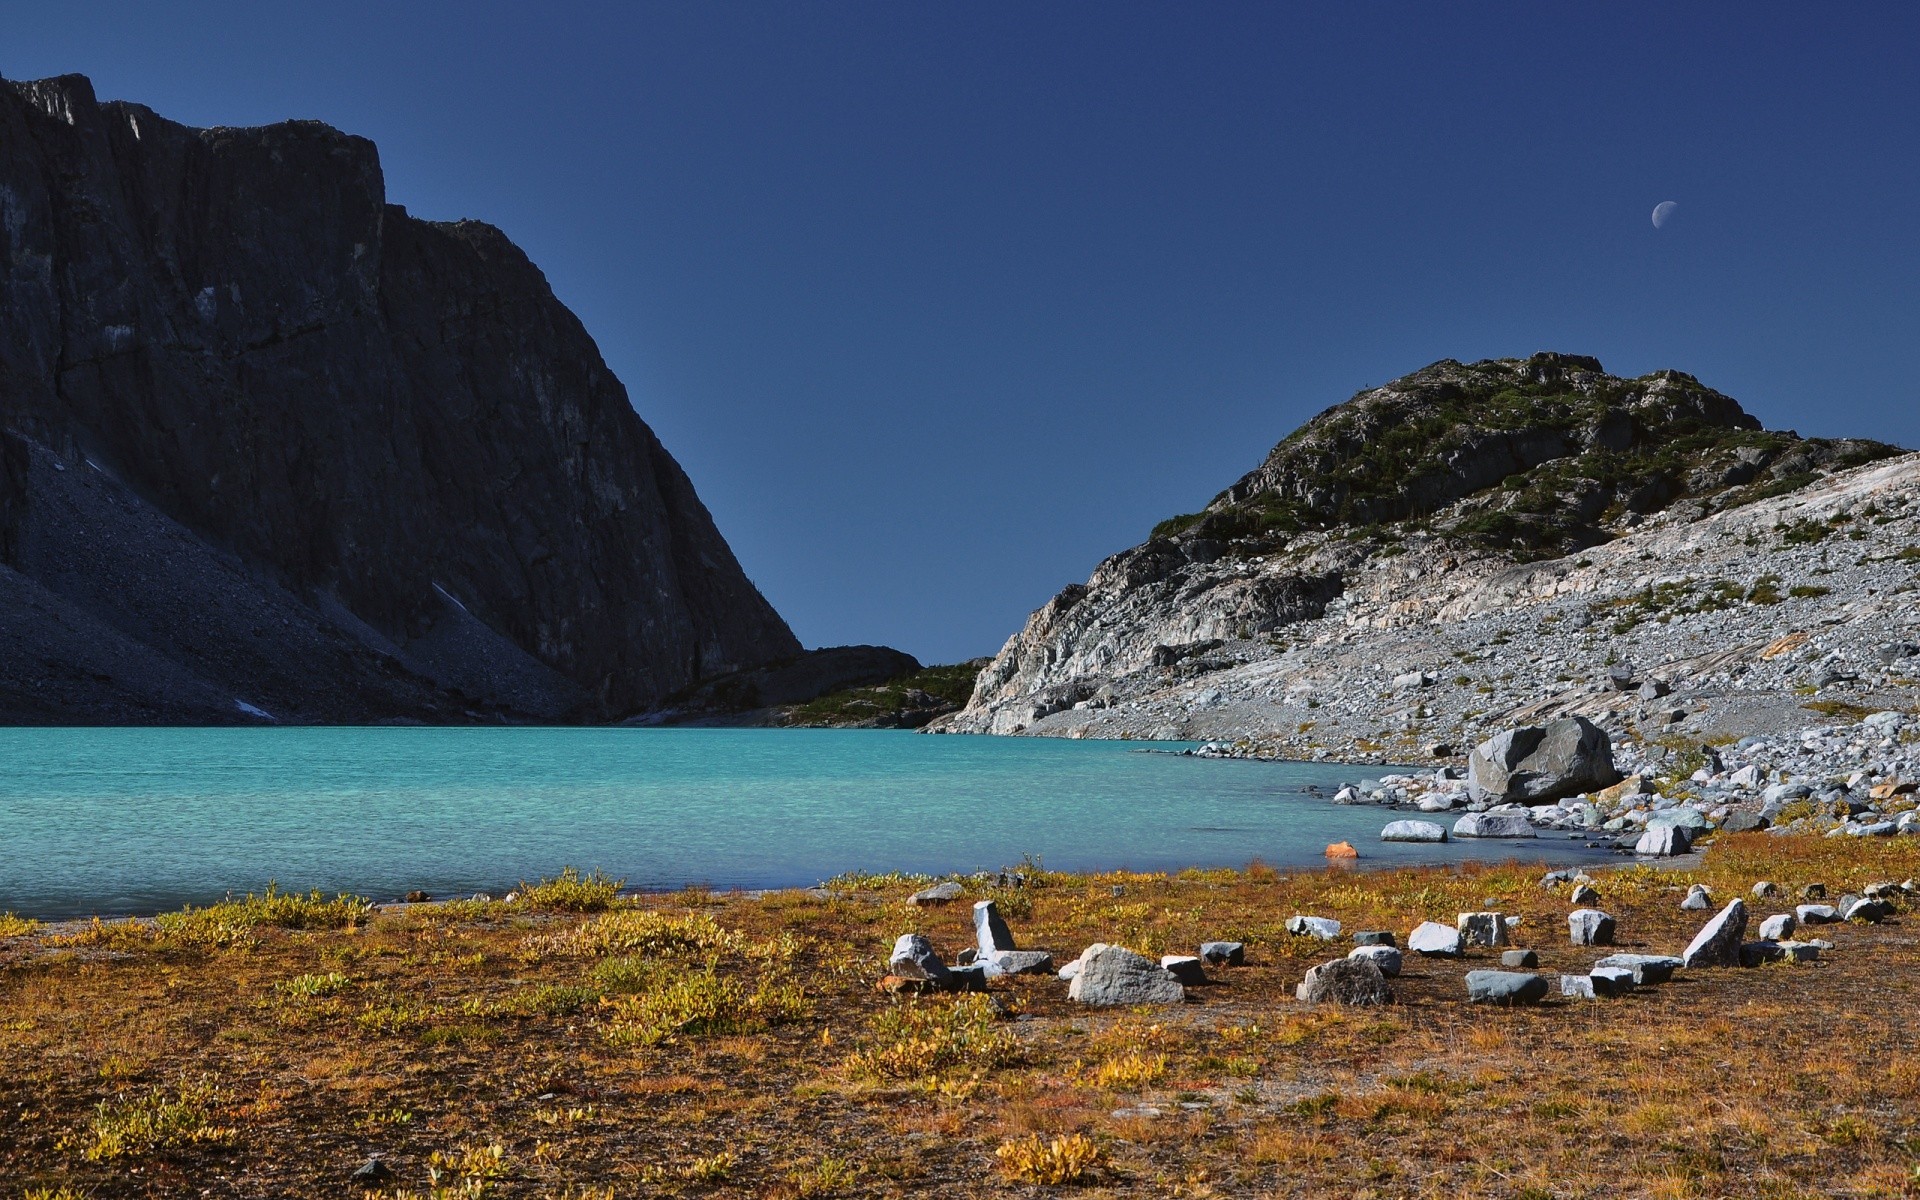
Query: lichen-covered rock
x: 1355, y: 981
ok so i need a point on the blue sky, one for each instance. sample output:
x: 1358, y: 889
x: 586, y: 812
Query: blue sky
x: 940, y: 304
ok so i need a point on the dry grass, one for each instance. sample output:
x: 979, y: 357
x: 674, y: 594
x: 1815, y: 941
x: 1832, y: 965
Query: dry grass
x: 703, y: 1045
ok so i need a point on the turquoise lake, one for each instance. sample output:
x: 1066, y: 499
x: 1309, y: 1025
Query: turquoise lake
x: 117, y: 821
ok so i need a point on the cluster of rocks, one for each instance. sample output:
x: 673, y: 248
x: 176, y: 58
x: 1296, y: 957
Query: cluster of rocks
x: 1103, y: 974
x: 1860, y: 781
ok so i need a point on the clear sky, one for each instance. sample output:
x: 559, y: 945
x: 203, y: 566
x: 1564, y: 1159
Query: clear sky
x: 942, y: 303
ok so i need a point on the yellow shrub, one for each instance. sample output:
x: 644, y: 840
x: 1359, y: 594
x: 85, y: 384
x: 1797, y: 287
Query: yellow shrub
x: 909, y: 1040
x: 1033, y: 1159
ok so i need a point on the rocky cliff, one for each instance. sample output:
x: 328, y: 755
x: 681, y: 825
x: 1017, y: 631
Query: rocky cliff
x: 268, y: 444
x: 1380, y: 540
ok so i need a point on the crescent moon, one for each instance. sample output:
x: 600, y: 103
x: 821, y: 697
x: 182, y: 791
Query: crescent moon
x: 1663, y: 212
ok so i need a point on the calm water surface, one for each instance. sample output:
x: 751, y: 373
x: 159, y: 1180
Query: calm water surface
x: 139, y: 820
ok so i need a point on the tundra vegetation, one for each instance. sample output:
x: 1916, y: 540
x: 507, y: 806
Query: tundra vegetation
x: 576, y: 1042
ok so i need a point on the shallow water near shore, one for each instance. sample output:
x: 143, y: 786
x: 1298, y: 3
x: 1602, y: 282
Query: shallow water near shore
x: 118, y: 821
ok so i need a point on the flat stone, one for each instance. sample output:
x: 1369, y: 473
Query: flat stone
x: 990, y: 929
x: 1577, y: 986
x: 967, y: 979
x: 1518, y: 959
x: 1590, y: 927
x: 1487, y: 929
x: 1355, y: 981
x: 1434, y: 939
x: 1505, y: 987
x: 1017, y: 962
x: 1224, y: 954
x: 1718, y: 942
x: 1494, y: 825
x: 939, y: 893
x: 1648, y: 969
x: 1114, y: 976
x: 1744, y: 822
x: 1413, y: 831
x: 1387, y: 958
x: 1324, y: 928
x: 1374, y: 937
x: 1187, y: 968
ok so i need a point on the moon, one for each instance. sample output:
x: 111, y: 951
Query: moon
x: 1663, y: 212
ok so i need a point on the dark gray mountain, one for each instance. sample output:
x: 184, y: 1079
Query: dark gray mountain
x: 269, y: 443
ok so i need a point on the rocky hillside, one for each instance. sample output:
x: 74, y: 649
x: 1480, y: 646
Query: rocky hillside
x: 270, y: 445
x: 1475, y: 542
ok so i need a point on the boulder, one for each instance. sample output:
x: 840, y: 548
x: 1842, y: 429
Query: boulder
x: 1817, y: 914
x: 1765, y: 890
x: 1699, y: 898
x: 1718, y: 942
x: 1590, y: 927
x: 1494, y: 825
x: 1505, y: 987
x: 1744, y: 822
x: 1863, y: 909
x: 1187, y: 968
x: 1357, y: 981
x: 1374, y: 937
x: 1387, y: 958
x: 1585, y: 894
x: 1435, y: 940
x: 1611, y: 981
x: 1778, y: 927
x: 1520, y: 959
x: 1324, y: 928
x: 1535, y: 765
x: 1017, y: 962
x: 1664, y: 842
x: 939, y: 893
x: 1413, y: 831
x: 1487, y: 929
x: 1224, y: 954
x: 1114, y: 975
x: 990, y: 929
x: 1577, y: 986
x: 914, y: 958
x: 967, y: 979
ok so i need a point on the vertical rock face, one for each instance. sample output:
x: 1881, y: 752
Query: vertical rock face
x: 285, y: 439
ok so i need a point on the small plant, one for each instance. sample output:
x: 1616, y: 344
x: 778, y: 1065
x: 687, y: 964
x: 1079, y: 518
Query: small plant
x: 1130, y: 1071
x: 711, y: 1169
x: 1033, y: 1159
x: 154, y: 1123
x: 309, y: 987
x: 1808, y: 592
x: 570, y: 891
x: 827, y: 1177
x: 637, y: 932
x: 12, y: 926
x: 231, y: 923
x: 911, y: 1040
x: 699, y: 1004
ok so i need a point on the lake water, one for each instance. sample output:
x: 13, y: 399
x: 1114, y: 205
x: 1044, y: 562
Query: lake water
x: 118, y: 821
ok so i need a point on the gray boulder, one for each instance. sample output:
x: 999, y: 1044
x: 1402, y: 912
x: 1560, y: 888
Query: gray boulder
x: 1324, y: 928
x: 1744, y: 822
x: 1535, y: 765
x: 1699, y: 898
x: 1224, y: 954
x: 1870, y: 911
x: 1506, y: 987
x: 1765, y: 890
x: 1647, y: 969
x: 939, y: 893
x: 967, y: 979
x: 1585, y: 894
x: 1357, y: 981
x: 1590, y: 927
x: 1718, y: 942
x: 1374, y: 937
x: 913, y: 957
x: 1519, y: 959
x: 1413, y: 831
x: 1435, y: 940
x: 990, y: 929
x: 1114, y: 975
x: 1778, y: 927
x: 1664, y: 842
x: 1187, y: 968
x: 1073, y: 968
x: 1387, y: 958
x: 1017, y: 962
x: 1579, y: 987
x: 1817, y: 914
x: 1494, y: 825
